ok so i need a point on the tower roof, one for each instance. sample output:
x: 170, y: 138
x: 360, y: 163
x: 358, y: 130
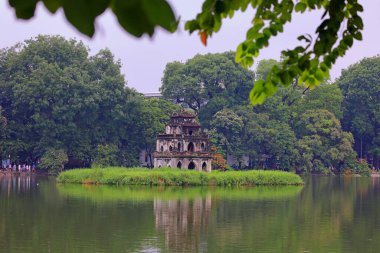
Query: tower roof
x: 183, y: 114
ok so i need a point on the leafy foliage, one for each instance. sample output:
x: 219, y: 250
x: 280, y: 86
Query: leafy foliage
x: 298, y: 128
x: 106, y: 155
x: 218, y: 161
x: 3, y: 125
x: 202, y: 81
x: 361, y: 115
x: 147, y: 118
x: 228, y: 126
x: 322, y: 143
x: 358, y: 167
x: 53, y: 160
x: 268, y: 141
x: 309, y: 63
x: 326, y: 96
x: 54, y: 95
x: 137, y: 17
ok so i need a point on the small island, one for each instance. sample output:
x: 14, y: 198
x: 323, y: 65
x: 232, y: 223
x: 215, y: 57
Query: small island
x: 182, y: 158
x: 177, y: 177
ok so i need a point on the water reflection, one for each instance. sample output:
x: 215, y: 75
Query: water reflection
x: 183, y: 223
x: 192, y: 219
x: 327, y: 215
x: 17, y: 183
x: 104, y: 194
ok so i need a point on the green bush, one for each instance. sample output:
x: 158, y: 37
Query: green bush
x: 53, y: 160
x: 358, y: 167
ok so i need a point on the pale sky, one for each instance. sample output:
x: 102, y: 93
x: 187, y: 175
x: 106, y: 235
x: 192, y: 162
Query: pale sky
x: 144, y: 60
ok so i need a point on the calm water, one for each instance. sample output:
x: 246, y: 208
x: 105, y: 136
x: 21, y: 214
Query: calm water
x: 326, y: 215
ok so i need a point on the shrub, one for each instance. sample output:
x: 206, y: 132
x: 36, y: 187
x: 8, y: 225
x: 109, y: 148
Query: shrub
x: 218, y: 161
x: 359, y: 167
x: 53, y: 160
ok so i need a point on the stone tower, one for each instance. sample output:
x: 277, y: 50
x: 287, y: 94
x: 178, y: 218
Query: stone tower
x: 183, y: 145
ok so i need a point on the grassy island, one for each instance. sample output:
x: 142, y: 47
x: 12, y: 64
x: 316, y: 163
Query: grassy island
x: 176, y: 177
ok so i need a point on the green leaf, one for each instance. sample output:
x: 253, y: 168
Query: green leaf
x: 358, y: 36
x: 348, y: 40
x: 220, y: 6
x: 192, y: 25
x: 239, y: 52
x: 82, y: 13
x: 285, y: 78
x: 206, y: 21
x: 52, y: 5
x: 160, y: 13
x: 319, y: 75
x: 247, y: 62
x: 132, y: 17
x: 252, y: 33
x: 267, y: 32
x: 300, y: 7
x: 256, y: 95
x: 24, y: 9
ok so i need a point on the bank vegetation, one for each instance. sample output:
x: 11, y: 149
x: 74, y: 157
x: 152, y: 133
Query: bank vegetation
x: 176, y: 177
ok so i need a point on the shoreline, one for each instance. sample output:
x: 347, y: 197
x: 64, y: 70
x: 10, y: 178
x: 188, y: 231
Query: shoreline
x: 177, y: 177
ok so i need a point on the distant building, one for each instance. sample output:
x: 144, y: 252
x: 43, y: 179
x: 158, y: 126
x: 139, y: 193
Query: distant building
x: 183, y: 145
x: 153, y: 95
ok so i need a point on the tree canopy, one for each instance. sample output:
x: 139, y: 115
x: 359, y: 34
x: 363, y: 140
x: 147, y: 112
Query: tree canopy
x: 207, y: 84
x: 322, y: 143
x: 361, y: 116
x: 205, y: 77
x: 297, y: 128
x: 54, y: 97
x: 57, y: 99
x: 309, y: 62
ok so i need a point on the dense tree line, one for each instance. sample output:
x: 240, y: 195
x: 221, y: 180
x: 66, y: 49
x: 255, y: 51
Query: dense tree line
x: 360, y: 85
x: 55, y: 97
x: 320, y: 130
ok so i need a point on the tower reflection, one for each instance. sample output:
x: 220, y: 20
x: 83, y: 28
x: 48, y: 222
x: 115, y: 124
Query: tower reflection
x: 184, y: 223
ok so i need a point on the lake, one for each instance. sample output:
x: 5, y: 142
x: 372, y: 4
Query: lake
x: 328, y: 214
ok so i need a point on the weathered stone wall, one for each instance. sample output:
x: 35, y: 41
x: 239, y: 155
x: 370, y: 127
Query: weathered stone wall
x: 163, y: 145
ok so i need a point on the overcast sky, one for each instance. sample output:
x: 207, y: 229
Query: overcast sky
x: 145, y: 59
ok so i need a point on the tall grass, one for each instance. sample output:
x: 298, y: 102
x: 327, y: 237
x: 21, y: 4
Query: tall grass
x: 142, y: 176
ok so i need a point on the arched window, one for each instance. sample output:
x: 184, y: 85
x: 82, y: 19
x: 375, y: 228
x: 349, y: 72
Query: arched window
x: 190, y: 147
x: 170, y: 148
x: 204, y: 166
x: 179, y: 165
x: 191, y: 166
x: 203, y: 147
x: 190, y: 132
x: 162, y: 148
x: 179, y: 146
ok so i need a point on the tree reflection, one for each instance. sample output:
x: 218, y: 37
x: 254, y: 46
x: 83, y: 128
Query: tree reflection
x: 327, y: 215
